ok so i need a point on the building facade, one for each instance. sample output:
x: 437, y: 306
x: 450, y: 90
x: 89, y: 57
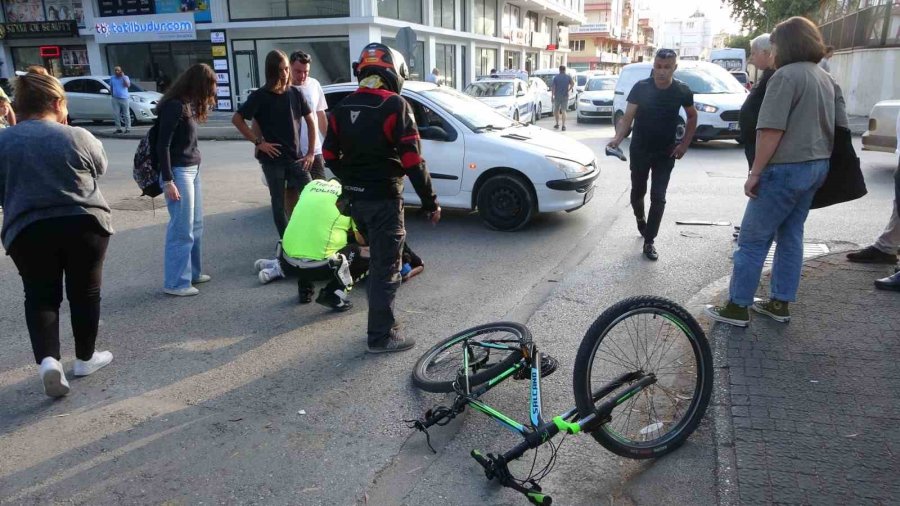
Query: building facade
x: 613, y: 35
x: 155, y: 40
x: 691, y: 38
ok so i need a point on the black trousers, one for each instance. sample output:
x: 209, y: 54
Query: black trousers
x: 281, y: 175
x: 47, y: 251
x: 656, y: 166
x: 382, y: 221
x: 306, y: 277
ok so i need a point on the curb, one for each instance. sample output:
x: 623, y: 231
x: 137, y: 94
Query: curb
x: 727, y: 491
x: 138, y: 135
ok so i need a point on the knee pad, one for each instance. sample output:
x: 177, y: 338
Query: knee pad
x: 341, y: 267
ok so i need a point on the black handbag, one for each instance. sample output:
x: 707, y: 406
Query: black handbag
x: 845, y: 181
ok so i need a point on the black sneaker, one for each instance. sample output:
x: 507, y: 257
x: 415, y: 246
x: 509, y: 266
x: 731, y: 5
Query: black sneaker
x: 392, y: 345
x: 548, y: 367
x: 556, y: 127
x: 333, y: 301
x: 641, y: 225
x: 118, y: 130
x: 871, y: 255
x: 564, y: 128
x: 305, y: 294
x: 650, y: 251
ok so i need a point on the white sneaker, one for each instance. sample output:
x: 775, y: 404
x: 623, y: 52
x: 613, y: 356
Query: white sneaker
x: 53, y: 377
x: 182, y: 292
x: 263, y: 263
x: 271, y: 274
x: 203, y: 278
x: 99, y: 360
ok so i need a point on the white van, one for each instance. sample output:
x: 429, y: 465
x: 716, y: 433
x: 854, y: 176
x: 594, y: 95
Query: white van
x: 547, y: 76
x: 718, y: 96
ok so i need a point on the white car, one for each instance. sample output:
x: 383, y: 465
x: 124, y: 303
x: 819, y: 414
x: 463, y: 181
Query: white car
x: 547, y: 76
x: 480, y: 159
x: 718, y: 96
x: 88, y: 98
x: 883, y: 123
x: 508, y: 96
x: 542, y: 96
x: 596, y: 101
x: 582, y: 78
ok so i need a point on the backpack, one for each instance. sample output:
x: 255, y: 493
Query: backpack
x: 146, y: 164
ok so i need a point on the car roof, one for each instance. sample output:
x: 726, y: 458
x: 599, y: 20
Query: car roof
x: 497, y: 79
x: 67, y: 79
x: 416, y: 86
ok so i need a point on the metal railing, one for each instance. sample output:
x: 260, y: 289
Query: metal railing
x: 874, y: 26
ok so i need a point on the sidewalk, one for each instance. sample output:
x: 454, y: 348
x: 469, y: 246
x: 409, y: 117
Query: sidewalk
x: 219, y: 128
x: 815, y: 403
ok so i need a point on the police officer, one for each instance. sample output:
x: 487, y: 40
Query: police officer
x: 372, y: 142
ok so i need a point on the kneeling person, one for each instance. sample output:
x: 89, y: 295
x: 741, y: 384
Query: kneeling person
x: 316, y: 248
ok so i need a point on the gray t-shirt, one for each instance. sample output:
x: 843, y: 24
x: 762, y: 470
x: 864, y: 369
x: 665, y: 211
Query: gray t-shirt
x: 561, y: 84
x: 803, y: 101
x: 48, y: 170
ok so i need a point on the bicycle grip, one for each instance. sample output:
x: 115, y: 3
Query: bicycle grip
x: 541, y: 499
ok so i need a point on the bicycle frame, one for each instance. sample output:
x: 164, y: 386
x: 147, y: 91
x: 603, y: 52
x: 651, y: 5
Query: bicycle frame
x: 538, y: 431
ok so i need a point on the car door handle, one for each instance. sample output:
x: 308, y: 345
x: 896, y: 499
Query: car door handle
x: 620, y: 93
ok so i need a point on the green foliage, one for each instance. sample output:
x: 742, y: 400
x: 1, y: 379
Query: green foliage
x: 740, y: 41
x: 760, y: 16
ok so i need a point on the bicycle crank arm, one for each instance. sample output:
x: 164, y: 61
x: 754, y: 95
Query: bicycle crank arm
x: 495, y: 467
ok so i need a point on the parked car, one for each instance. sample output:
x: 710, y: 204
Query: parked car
x: 88, y: 98
x: 542, y: 96
x: 596, y: 101
x: 882, y: 132
x: 547, y: 76
x: 509, y: 96
x: 718, y: 97
x: 583, y: 77
x: 480, y: 159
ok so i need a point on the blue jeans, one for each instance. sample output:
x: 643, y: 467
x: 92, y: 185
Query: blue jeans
x: 185, y: 231
x: 778, y: 213
x: 121, y: 112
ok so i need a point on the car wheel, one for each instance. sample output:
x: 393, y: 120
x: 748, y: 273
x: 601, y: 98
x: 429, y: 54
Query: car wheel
x: 505, y: 202
x: 534, y: 115
x: 578, y: 119
x: 97, y: 121
x: 134, y: 120
x: 540, y: 111
x: 516, y: 115
x: 618, y: 119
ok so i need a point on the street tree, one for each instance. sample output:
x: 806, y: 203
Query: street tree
x: 757, y: 16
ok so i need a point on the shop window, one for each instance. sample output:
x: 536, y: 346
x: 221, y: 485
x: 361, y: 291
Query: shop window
x: 329, y: 57
x: 416, y: 64
x: 276, y: 9
x: 72, y: 60
x: 445, y: 61
x: 487, y: 60
x: 404, y: 10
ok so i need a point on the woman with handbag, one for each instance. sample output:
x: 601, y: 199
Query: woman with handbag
x: 795, y: 138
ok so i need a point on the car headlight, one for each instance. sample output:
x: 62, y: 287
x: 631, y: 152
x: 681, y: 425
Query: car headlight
x: 568, y: 166
x: 705, y: 107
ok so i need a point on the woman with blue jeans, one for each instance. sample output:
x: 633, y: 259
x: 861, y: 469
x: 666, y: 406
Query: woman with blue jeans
x: 795, y: 137
x: 185, y: 104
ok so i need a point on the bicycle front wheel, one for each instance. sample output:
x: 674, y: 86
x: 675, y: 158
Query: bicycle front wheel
x: 644, y: 339
x: 492, y: 348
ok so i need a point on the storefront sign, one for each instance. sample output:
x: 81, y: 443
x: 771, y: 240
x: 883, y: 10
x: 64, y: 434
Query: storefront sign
x: 218, y: 51
x: 222, y: 77
x: 126, y: 7
x: 217, y: 37
x: 220, y: 65
x: 223, y: 91
x: 224, y: 105
x: 38, y: 29
x: 156, y: 28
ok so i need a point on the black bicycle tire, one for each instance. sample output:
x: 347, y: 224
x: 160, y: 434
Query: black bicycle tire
x: 421, y: 380
x: 584, y: 359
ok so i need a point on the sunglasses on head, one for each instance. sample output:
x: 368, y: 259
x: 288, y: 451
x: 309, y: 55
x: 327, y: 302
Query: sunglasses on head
x: 299, y: 56
x: 665, y: 53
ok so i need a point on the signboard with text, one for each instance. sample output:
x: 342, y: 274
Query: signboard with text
x: 155, y: 28
x: 35, y: 29
x: 199, y: 9
x: 220, y: 64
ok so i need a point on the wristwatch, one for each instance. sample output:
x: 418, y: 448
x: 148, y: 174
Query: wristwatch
x: 258, y: 141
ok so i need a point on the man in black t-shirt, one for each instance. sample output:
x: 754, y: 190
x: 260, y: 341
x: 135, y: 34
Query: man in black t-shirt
x: 278, y: 109
x: 657, y: 141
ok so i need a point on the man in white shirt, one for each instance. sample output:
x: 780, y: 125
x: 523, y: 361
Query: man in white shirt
x: 434, y: 76
x: 315, y: 97
x: 884, y: 251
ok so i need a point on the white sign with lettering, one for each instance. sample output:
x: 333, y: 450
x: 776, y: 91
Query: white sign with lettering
x: 220, y: 64
x: 150, y: 28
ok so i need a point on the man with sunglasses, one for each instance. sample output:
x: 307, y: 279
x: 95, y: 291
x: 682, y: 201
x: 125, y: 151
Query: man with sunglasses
x: 315, y: 97
x: 653, y: 106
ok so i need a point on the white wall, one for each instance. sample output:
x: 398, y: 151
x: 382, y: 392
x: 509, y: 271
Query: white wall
x: 866, y: 77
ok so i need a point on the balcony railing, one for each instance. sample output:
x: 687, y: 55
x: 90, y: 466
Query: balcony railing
x: 876, y: 26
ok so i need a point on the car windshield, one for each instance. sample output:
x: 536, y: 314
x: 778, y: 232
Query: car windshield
x: 601, y: 85
x: 133, y: 88
x: 547, y: 78
x: 472, y: 113
x: 708, y: 80
x: 490, y: 89
x: 581, y: 80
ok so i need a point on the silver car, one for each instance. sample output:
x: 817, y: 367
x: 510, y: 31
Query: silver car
x: 89, y: 99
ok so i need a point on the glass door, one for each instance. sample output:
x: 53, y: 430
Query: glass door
x: 246, y: 74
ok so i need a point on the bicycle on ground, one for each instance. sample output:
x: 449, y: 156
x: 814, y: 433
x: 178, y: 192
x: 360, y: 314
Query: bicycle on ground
x: 642, y: 381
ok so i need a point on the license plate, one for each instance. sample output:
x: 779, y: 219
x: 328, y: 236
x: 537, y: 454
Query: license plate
x: 605, y: 109
x: 589, y: 195
x: 733, y: 127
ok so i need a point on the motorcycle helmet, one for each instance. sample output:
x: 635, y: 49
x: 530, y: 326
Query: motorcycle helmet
x: 376, y: 58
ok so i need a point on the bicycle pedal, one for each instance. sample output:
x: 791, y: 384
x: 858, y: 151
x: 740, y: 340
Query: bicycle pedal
x: 549, y: 365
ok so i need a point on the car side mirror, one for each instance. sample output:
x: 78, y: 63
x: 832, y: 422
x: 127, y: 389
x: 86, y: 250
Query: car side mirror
x: 104, y: 91
x: 434, y: 133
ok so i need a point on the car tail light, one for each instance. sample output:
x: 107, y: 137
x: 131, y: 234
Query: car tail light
x: 873, y: 124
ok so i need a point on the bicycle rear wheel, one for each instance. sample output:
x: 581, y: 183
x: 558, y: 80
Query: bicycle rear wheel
x: 492, y: 348
x: 644, y: 336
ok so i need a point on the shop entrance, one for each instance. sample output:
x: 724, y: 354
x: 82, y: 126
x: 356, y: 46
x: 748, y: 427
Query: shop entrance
x: 246, y: 74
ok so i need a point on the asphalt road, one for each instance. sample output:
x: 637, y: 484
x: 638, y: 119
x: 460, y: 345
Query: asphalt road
x: 240, y: 395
